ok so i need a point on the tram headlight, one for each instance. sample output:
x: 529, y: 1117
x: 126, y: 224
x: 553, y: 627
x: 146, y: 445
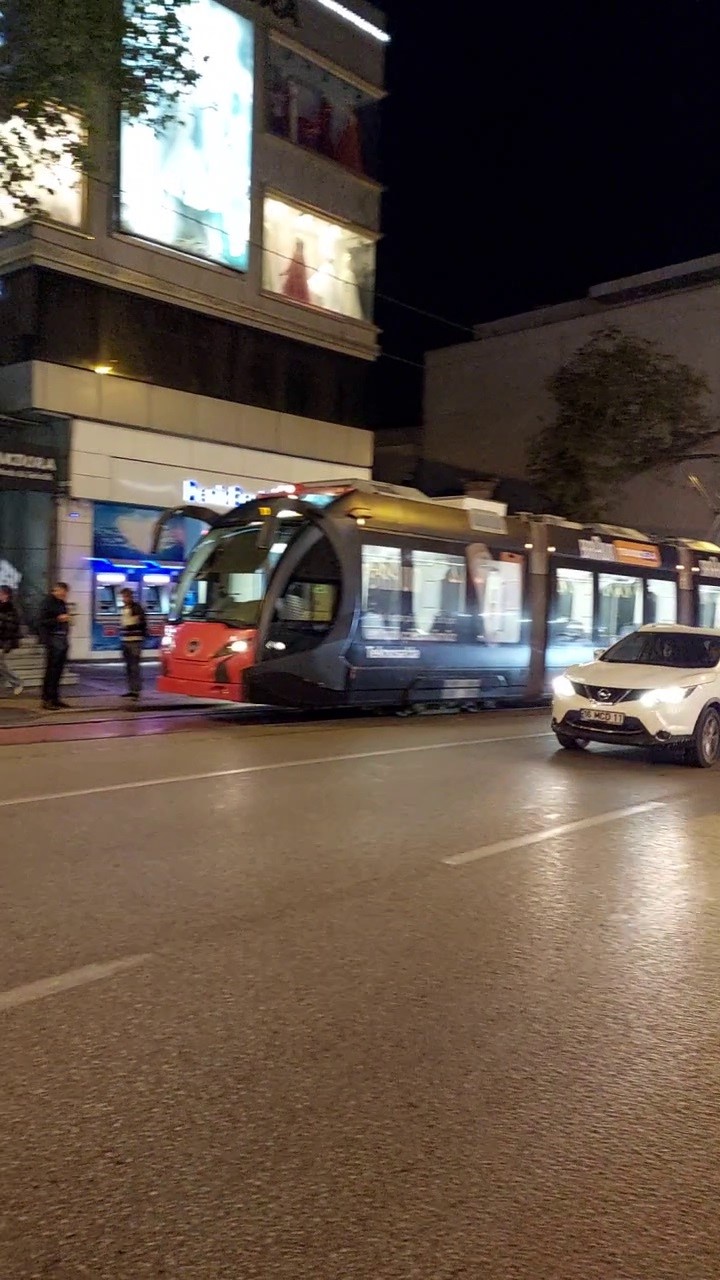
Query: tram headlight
x: 562, y: 687
x: 238, y: 646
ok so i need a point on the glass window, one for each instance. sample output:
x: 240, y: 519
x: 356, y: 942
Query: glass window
x: 53, y: 180
x: 382, y: 595
x: 185, y: 181
x: 574, y: 605
x: 317, y: 262
x: 661, y: 601
x: 620, y: 606
x: 318, y: 110
x: 667, y: 649
x: 708, y: 606
x: 439, y: 593
x: 227, y: 574
x: 498, y: 592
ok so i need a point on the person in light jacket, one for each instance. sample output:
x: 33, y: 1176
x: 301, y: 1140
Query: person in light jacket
x: 134, y: 630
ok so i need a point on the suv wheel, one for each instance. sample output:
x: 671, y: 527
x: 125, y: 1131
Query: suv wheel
x: 705, y: 747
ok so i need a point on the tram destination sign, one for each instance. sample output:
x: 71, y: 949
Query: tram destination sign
x: 639, y: 554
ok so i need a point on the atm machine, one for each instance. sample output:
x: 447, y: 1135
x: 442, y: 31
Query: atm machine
x: 155, y: 595
x: 107, y: 606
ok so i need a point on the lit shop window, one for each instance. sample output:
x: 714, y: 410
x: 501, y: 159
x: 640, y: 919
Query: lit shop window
x: 54, y: 182
x: 310, y: 260
x: 661, y: 603
x: 318, y: 110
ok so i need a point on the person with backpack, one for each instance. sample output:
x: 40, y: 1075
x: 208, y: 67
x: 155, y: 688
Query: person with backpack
x: 133, y: 630
x: 9, y: 640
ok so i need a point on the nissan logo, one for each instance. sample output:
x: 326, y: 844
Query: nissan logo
x: 192, y: 646
x: 604, y: 695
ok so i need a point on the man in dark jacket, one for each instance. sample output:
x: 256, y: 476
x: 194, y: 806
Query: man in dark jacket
x: 9, y: 639
x: 54, y: 632
x: 133, y: 629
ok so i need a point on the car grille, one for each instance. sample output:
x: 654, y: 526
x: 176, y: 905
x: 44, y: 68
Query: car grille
x: 593, y: 692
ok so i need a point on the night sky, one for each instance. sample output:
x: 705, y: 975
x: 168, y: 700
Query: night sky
x: 532, y: 153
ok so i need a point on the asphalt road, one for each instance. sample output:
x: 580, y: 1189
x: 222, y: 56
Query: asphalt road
x: 358, y: 1001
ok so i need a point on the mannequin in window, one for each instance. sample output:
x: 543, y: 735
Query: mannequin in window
x: 296, y: 277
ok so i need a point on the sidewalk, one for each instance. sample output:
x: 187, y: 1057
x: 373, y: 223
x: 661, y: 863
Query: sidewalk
x: 97, y: 695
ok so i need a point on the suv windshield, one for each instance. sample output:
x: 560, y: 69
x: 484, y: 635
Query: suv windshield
x: 667, y: 649
x: 226, y: 576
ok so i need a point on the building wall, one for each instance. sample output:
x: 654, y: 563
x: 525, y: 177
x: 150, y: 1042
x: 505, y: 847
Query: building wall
x: 485, y: 400
x: 98, y: 252
x: 200, y: 420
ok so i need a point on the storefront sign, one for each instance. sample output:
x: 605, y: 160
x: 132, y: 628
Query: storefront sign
x: 36, y: 470
x: 226, y: 495
x: 618, y: 552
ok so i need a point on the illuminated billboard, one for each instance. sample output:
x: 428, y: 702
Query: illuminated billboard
x: 186, y: 184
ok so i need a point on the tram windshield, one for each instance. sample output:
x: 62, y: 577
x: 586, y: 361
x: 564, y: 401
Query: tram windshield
x: 226, y: 576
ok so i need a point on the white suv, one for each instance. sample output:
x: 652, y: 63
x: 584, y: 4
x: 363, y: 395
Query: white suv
x: 658, y: 687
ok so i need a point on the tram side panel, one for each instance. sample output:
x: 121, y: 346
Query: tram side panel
x: 438, y: 623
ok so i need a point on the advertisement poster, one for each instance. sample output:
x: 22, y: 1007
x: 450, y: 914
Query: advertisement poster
x: 123, y: 536
x: 187, y: 184
x: 125, y: 533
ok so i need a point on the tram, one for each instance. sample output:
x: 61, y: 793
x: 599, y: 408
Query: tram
x: 360, y: 594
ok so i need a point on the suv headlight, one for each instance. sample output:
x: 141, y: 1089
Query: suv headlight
x: 562, y: 687
x: 670, y: 697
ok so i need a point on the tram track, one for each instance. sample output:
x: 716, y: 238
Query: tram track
x: 86, y: 726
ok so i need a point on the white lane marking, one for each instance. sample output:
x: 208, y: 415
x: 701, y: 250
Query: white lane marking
x: 262, y: 768
x: 538, y: 837
x: 45, y: 987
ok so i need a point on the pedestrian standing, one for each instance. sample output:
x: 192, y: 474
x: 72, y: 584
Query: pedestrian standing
x: 134, y: 629
x: 54, y: 632
x: 9, y: 639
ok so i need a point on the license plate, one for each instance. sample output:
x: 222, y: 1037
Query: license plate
x: 603, y: 717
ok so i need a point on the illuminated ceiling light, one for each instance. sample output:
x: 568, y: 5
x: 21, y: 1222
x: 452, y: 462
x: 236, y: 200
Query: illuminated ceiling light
x: 355, y: 20
x: 103, y: 368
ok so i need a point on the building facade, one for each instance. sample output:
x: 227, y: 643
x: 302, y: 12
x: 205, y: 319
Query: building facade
x: 199, y: 313
x: 485, y: 399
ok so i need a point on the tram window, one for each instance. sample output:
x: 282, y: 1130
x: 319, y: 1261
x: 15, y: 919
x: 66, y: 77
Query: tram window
x: 226, y: 576
x: 660, y: 602
x: 439, y: 593
x: 620, y: 606
x: 573, y: 611
x: 708, y: 606
x: 306, y: 610
x: 498, y: 594
x: 381, y: 593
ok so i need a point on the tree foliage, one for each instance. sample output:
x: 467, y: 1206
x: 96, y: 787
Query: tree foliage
x: 623, y: 407
x: 61, y: 60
